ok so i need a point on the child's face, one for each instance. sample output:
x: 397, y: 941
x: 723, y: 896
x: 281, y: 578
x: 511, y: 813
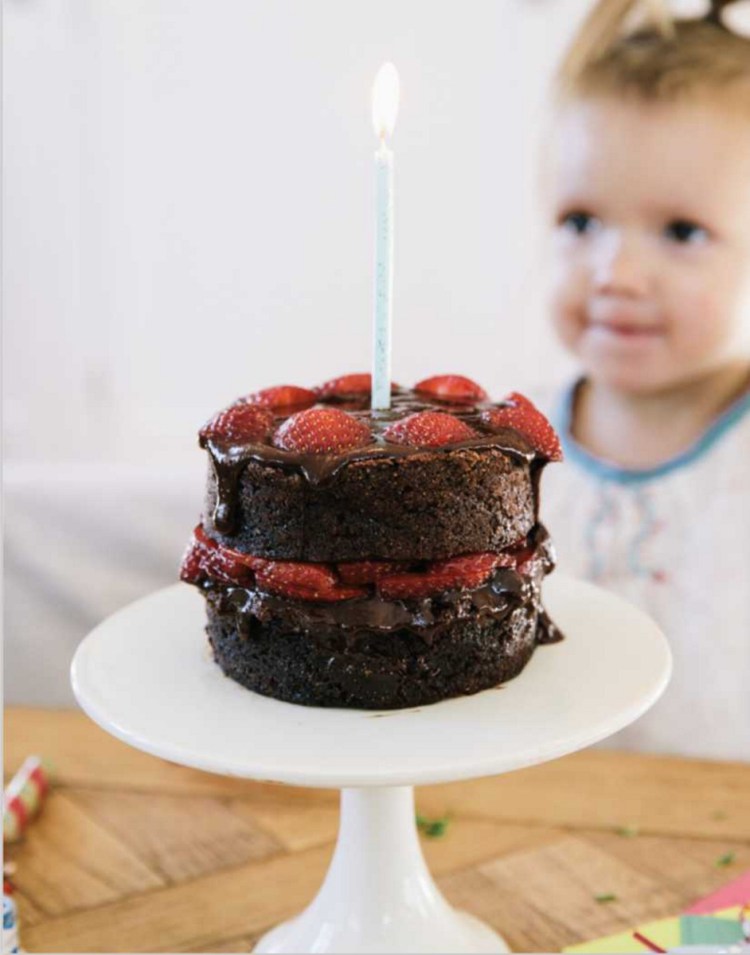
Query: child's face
x: 652, y: 239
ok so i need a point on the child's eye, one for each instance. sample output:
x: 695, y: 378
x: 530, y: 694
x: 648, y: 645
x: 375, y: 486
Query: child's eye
x: 685, y: 232
x: 579, y: 223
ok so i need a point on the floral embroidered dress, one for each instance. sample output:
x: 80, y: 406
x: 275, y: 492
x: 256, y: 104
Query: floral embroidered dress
x: 674, y: 540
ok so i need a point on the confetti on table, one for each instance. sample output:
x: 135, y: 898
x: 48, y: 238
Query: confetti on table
x: 23, y: 797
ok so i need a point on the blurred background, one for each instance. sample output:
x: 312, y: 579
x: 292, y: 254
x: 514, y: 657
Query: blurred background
x: 188, y: 217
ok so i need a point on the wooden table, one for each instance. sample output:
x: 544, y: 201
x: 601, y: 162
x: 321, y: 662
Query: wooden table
x: 134, y: 854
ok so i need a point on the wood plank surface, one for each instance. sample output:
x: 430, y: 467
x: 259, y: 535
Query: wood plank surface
x: 179, y: 837
x: 132, y: 853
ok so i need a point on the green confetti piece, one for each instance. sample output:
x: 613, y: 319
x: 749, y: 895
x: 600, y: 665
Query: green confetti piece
x: 433, y: 828
x: 725, y: 860
x: 605, y: 897
x: 628, y: 832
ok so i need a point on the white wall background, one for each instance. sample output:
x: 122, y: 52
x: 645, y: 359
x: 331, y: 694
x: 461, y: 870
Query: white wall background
x: 188, y: 216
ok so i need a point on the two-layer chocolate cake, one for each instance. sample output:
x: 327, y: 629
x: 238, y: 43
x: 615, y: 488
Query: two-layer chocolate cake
x: 374, y: 559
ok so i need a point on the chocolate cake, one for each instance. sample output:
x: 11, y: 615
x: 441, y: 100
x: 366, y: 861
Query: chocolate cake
x: 374, y: 559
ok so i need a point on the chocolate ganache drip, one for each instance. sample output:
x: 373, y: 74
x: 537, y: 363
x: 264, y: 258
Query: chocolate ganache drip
x: 230, y: 456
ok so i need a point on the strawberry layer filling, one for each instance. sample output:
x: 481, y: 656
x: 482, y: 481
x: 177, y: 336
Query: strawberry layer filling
x: 208, y: 562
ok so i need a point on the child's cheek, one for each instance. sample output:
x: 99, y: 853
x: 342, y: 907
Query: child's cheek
x: 566, y: 319
x: 567, y: 301
x: 705, y: 318
x: 702, y: 329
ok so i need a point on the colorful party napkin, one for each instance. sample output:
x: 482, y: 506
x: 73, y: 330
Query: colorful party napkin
x: 712, y: 920
x: 736, y: 893
x: 710, y: 930
x: 718, y: 929
x: 664, y: 932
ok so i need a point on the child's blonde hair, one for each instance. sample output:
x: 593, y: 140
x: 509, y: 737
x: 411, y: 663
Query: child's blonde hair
x: 635, y: 47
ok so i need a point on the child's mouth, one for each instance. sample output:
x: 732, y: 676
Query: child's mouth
x: 634, y: 331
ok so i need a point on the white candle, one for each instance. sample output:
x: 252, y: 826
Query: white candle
x: 384, y: 108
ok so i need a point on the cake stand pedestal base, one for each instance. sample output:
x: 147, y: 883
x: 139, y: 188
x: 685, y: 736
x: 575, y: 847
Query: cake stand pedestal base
x: 146, y: 676
x: 378, y: 895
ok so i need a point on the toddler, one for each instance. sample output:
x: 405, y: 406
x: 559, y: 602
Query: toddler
x: 650, y: 184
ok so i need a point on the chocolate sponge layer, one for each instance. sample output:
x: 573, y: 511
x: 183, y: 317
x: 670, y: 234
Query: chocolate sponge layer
x: 422, y: 506
x: 370, y: 669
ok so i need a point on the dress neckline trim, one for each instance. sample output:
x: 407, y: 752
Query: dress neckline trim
x: 608, y: 471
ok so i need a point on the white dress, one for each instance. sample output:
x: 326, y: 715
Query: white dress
x: 675, y: 540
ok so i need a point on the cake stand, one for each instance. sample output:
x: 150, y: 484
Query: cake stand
x: 146, y: 676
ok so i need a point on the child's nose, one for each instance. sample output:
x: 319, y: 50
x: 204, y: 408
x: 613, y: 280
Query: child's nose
x: 619, y: 267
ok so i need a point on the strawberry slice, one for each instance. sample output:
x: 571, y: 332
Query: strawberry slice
x: 429, y: 429
x: 457, y: 573
x: 283, y: 396
x: 522, y: 415
x: 451, y: 388
x: 238, y: 422
x: 527, y: 566
x: 191, y: 569
x: 304, y: 582
x: 346, y: 386
x: 524, y: 556
x: 322, y: 431
x: 206, y: 558
x: 368, y: 571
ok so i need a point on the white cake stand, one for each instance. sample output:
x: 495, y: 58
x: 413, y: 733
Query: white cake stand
x: 146, y: 676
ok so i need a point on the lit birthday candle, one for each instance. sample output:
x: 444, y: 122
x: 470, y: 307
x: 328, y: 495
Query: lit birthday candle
x: 384, y: 108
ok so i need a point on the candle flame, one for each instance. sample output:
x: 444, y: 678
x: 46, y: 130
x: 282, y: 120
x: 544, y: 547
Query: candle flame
x: 385, y: 94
